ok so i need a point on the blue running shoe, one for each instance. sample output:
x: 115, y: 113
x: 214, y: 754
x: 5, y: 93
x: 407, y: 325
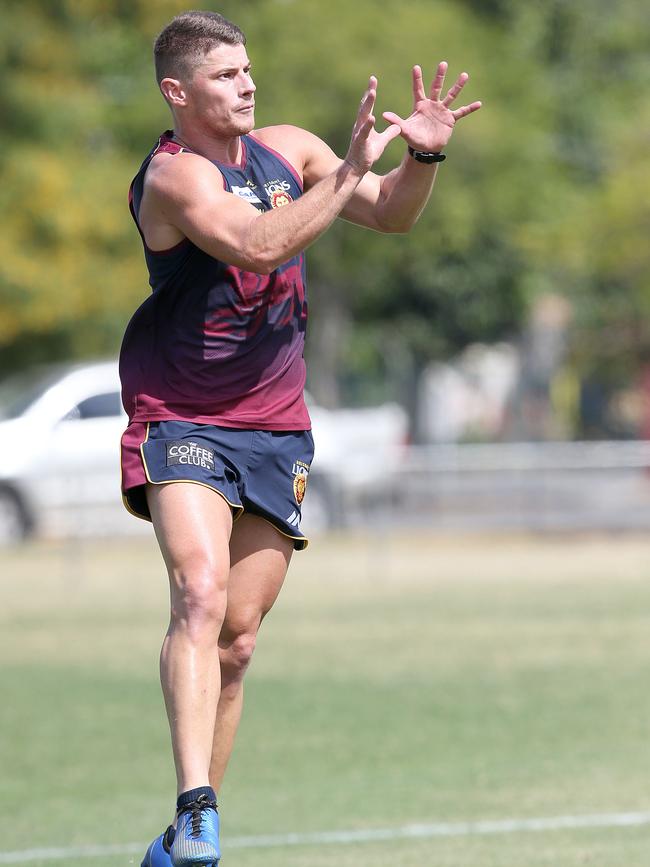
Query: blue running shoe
x: 197, y: 835
x: 157, y: 855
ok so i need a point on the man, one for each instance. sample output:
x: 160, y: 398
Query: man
x: 218, y: 449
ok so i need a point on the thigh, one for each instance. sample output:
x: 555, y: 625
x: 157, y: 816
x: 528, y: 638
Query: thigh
x: 193, y: 524
x: 259, y: 559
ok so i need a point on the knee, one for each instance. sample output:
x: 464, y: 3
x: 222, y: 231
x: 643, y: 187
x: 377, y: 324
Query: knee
x: 199, y: 596
x: 235, y: 657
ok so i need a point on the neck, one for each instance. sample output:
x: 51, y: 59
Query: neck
x: 225, y: 149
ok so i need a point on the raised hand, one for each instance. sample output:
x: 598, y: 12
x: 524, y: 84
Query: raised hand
x: 367, y: 145
x: 431, y: 123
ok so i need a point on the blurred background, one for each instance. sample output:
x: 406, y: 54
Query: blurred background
x: 515, y: 312
x: 480, y: 391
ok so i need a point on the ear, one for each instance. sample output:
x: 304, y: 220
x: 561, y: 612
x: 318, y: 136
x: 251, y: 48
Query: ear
x: 173, y: 91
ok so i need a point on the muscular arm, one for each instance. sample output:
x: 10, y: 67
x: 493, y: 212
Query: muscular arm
x: 186, y: 192
x: 388, y: 203
x: 394, y: 202
x: 184, y: 196
x: 399, y: 196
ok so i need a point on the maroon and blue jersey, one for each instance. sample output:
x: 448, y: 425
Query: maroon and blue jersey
x: 215, y: 344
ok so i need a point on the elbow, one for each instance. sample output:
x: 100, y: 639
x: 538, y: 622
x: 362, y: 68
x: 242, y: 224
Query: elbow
x: 260, y: 266
x: 267, y: 260
x: 257, y: 261
x: 261, y: 257
x: 266, y: 264
x: 400, y: 226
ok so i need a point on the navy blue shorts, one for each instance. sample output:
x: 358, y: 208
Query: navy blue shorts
x: 257, y: 471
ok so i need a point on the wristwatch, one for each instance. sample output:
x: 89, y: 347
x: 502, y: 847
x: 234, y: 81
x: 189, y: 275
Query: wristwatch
x: 427, y: 157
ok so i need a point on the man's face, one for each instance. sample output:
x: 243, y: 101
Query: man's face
x: 221, y: 94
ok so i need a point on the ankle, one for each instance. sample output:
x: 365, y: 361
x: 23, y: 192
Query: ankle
x: 191, y: 795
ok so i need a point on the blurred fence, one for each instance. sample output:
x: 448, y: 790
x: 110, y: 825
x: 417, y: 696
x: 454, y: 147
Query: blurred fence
x: 536, y: 487
x: 546, y: 486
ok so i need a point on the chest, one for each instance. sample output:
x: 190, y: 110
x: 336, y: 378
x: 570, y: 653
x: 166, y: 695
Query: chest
x: 264, y: 181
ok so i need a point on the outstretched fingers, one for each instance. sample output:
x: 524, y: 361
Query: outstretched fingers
x: 393, y: 118
x: 418, y: 85
x: 438, y: 81
x: 367, y: 101
x: 464, y: 110
x: 367, y: 144
x: 365, y: 119
x: 391, y: 132
x: 461, y: 81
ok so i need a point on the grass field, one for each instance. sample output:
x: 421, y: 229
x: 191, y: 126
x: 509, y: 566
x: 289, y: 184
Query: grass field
x: 399, y: 680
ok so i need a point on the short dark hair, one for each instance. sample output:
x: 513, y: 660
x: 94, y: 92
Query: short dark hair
x: 188, y: 38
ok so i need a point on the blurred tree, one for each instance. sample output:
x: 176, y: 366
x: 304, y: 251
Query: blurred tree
x: 592, y: 242
x: 544, y: 190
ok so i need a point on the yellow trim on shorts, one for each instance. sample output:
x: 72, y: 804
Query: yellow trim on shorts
x: 131, y: 511
x: 281, y: 532
x: 237, y: 508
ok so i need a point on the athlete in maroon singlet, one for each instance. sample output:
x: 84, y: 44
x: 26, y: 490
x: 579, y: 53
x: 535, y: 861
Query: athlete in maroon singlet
x: 212, y: 365
x: 216, y: 343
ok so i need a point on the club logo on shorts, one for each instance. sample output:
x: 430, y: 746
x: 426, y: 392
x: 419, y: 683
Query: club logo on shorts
x: 189, y: 453
x: 300, y: 472
x: 278, y: 193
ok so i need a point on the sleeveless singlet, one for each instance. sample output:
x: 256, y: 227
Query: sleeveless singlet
x: 215, y: 344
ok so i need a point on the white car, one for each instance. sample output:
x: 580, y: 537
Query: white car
x: 60, y: 430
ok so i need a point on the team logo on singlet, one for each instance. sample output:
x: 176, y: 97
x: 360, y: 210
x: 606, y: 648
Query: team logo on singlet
x: 247, y: 194
x: 278, y: 193
x: 300, y: 472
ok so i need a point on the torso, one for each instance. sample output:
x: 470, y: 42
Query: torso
x: 213, y: 343
x: 162, y: 235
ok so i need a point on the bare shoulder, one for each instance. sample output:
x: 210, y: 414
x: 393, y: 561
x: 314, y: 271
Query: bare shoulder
x: 175, y: 185
x: 179, y: 175
x: 295, y: 144
x: 283, y: 133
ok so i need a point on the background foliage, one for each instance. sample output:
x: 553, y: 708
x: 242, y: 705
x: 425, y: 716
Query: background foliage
x: 546, y: 189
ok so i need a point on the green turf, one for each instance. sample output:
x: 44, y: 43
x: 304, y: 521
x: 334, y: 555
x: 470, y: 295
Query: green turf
x: 397, y: 681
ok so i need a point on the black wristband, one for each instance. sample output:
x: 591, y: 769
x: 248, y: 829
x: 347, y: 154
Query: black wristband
x: 427, y: 157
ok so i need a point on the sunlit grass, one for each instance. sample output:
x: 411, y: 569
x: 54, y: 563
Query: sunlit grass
x: 398, y: 680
